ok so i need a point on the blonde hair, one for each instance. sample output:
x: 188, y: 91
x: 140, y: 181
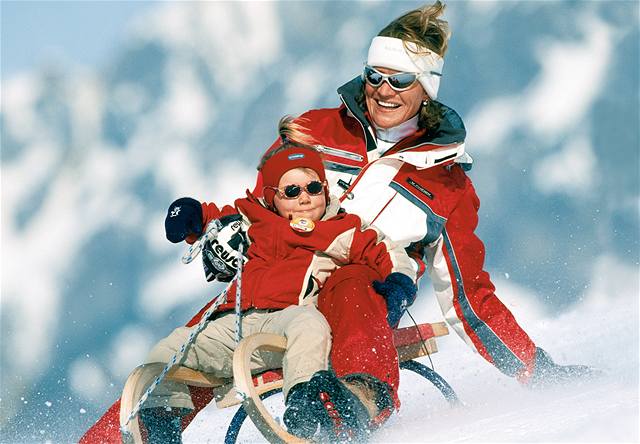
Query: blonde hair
x: 293, y: 134
x: 422, y: 26
x: 293, y: 131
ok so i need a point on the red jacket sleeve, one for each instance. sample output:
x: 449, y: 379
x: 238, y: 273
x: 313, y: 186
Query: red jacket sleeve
x: 370, y: 247
x: 210, y: 211
x: 487, y: 322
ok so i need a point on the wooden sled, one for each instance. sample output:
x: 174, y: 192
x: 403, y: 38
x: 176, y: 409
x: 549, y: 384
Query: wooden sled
x: 250, y: 390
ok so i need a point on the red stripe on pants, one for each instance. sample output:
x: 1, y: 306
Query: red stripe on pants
x: 362, y: 338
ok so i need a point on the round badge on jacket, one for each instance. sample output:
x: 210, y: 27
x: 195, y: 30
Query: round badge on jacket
x: 302, y: 224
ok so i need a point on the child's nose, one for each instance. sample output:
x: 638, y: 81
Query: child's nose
x: 304, y: 197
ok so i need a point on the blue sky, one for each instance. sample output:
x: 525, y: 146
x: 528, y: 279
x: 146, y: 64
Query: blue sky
x: 82, y: 32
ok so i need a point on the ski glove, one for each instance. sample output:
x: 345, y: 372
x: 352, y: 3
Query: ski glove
x: 184, y: 217
x: 219, y: 255
x: 400, y: 292
x: 548, y: 374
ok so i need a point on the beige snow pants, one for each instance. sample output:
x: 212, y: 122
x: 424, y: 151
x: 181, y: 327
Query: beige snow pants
x: 308, y: 345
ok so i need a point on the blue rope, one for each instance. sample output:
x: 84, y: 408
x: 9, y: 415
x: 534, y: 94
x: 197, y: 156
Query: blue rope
x: 238, y: 307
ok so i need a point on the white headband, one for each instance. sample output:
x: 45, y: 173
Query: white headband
x: 389, y: 52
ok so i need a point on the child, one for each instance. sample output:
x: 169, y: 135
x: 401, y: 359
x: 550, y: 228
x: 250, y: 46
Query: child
x: 297, y: 238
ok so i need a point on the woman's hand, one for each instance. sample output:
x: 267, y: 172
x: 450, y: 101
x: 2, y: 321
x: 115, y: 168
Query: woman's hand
x: 184, y: 218
x: 400, y: 292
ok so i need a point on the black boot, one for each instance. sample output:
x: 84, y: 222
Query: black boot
x: 547, y: 373
x: 343, y: 417
x: 303, y: 410
x: 164, y: 426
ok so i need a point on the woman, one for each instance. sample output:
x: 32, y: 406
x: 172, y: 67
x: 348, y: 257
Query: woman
x: 397, y: 158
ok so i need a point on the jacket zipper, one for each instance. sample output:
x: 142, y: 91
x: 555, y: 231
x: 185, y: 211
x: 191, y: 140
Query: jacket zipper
x: 339, y: 153
x: 357, y: 179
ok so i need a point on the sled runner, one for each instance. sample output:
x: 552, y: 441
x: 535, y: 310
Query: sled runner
x: 249, y: 390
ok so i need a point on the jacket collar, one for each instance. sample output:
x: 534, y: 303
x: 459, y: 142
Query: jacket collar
x: 397, y: 133
x: 348, y: 93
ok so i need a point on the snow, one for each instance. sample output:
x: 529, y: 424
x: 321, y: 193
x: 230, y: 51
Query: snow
x: 601, y: 332
x: 87, y: 378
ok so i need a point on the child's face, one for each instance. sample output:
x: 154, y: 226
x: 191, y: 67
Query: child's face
x: 305, y: 205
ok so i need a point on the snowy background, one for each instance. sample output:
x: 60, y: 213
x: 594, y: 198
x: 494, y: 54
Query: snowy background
x: 98, y: 139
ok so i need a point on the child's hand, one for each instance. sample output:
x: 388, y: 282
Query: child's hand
x: 400, y: 292
x: 183, y: 218
x: 219, y: 255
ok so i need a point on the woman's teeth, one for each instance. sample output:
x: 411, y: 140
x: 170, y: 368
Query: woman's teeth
x: 387, y: 104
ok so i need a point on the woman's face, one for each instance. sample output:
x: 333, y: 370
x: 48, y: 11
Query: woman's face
x: 388, y: 107
x: 305, y: 205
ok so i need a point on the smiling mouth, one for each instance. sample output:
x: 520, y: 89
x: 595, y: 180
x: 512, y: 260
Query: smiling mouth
x: 387, y: 105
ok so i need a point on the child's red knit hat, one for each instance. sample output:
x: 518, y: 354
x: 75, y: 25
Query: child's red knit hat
x: 289, y: 158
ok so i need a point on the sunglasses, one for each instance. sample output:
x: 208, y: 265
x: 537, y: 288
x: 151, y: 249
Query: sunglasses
x: 313, y: 188
x: 399, y: 81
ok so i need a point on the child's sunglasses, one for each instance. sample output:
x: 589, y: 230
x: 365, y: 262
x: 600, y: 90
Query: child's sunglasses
x: 399, y: 81
x: 313, y: 188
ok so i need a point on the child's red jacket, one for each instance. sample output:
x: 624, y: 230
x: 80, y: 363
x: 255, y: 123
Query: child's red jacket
x: 288, y: 267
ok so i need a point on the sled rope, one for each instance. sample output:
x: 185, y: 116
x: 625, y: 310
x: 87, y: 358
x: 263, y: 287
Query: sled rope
x: 211, y: 233
x: 238, y: 307
x: 422, y: 341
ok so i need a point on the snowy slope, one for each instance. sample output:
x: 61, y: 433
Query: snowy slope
x: 90, y: 161
x: 496, y: 408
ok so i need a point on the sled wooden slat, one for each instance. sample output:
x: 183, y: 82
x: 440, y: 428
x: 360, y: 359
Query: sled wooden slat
x: 413, y: 343
x: 246, y: 389
x: 412, y: 351
x: 407, y: 340
x: 412, y: 336
x: 196, y: 378
x: 410, y: 342
x: 137, y: 382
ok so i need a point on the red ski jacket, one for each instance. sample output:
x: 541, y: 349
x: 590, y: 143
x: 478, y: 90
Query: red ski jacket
x: 288, y: 267
x: 418, y: 194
